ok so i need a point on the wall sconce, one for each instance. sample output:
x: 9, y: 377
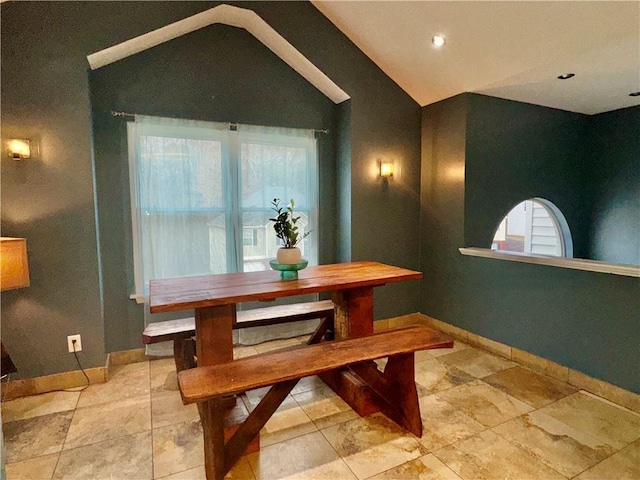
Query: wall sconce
x: 18, y: 149
x: 386, y: 169
x: 14, y: 268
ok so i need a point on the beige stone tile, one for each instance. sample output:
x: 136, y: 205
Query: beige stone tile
x: 625, y: 464
x: 276, y: 345
x: 422, y: 392
x: 603, y: 420
x: 559, y: 446
x: 39, y: 468
x: 423, y: 468
x: 435, y: 376
x: 252, y: 399
x: 457, y: 346
x: 162, y: 376
x: 109, y: 420
x: 605, y: 400
x: 403, y: 321
x: 487, y: 456
x: 286, y: 424
x: 476, y: 363
x: 127, y: 381
x: 381, y: 363
x: 307, y: 383
x: 125, y: 357
x: 442, y: 424
x: 422, y: 355
x: 36, y: 405
x: 167, y: 408
x: 242, y: 351
x: 539, y: 364
x: 197, y: 473
x: 240, y: 471
x: 324, y: 407
x: 532, y: 388
x: 123, y: 457
x: 371, y: 445
x: 452, y: 330
x: 306, y: 457
x: 489, y: 345
x: 177, y: 448
x: 603, y: 389
x: 35, y: 437
x: 484, y: 403
x: 380, y: 325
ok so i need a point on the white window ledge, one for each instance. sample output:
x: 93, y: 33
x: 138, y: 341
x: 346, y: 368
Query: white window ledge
x: 138, y: 297
x: 562, y: 262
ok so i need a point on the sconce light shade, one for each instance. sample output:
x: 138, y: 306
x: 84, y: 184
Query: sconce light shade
x: 14, y: 268
x: 386, y: 169
x: 18, y: 149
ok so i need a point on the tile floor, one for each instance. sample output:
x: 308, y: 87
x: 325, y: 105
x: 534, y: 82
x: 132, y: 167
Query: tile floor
x: 484, y: 418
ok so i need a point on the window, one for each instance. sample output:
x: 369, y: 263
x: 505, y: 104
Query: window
x: 250, y: 237
x: 201, y: 195
x: 534, y: 226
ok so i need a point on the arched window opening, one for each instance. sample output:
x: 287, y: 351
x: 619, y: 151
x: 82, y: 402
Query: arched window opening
x: 534, y: 226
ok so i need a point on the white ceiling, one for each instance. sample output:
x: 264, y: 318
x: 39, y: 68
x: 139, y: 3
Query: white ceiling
x: 508, y: 49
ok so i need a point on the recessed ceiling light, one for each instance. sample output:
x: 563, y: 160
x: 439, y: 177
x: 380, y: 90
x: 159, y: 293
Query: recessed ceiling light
x: 634, y: 94
x: 438, y: 41
x: 566, y: 76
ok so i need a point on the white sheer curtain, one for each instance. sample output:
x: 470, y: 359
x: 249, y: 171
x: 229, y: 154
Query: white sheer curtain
x: 201, y: 201
x: 179, y: 208
x: 276, y: 163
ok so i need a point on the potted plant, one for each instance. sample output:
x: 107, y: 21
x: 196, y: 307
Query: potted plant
x: 286, y: 230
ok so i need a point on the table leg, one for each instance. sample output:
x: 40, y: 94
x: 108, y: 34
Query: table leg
x: 353, y: 313
x: 353, y: 318
x: 214, y: 330
x: 214, y: 345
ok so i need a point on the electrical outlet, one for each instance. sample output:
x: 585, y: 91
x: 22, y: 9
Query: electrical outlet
x: 71, y: 346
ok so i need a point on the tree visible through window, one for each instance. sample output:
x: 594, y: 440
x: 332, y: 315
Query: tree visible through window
x: 534, y: 226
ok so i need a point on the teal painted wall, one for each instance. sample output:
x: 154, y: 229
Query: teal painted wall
x: 343, y: 182
x: 218, y: 73
x: 615, y: 146
x: 516, y: 151
x: 584, y: 320
x: 77, y: 273
x: 442, y: 208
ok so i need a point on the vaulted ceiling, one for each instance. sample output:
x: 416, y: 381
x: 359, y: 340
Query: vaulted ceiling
x: 508, y: 49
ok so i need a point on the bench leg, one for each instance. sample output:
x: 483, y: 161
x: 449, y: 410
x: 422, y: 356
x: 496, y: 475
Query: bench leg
x: 395, y: 390
x: 257, y: 419
x: 400, y: 373
x: 221, y: 455
x: 321, y: 331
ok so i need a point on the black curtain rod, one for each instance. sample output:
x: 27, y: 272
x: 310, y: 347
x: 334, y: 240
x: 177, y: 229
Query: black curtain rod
x: 232, y: 125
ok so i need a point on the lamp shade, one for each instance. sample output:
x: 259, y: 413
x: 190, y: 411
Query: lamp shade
x: 14, y: 268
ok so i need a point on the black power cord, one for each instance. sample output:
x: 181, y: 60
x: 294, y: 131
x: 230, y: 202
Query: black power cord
x: 75, y: 354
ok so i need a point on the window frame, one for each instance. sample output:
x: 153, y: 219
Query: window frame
x: 560, y: 225
x: 232, y: 207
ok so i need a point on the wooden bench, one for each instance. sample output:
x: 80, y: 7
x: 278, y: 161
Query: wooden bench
x: 182, y: 330
x: 394, y: 388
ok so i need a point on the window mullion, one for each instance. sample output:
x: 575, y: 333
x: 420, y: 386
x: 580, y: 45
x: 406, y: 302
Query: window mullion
x: 235, y: 237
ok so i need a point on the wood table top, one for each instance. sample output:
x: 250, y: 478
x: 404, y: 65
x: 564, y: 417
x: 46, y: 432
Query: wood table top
x: 173, y: 294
